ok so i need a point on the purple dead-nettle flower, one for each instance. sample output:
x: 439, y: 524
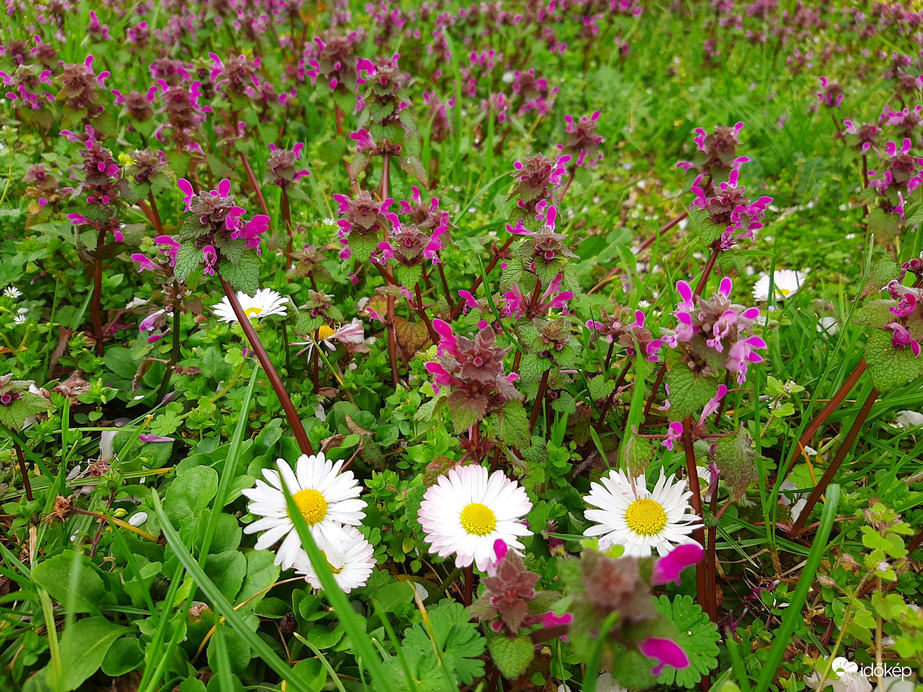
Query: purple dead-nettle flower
x: 901, y: 170
x: 537, y: 177
x: 24, y: 86
x: 582, y: 140
x: 362, y: 216
x: 532, y: 92
x: 426, y: 215
x: 236, y: 78
x: 220, y: 219
x: 156, y: 322
x: 699, y: 428
x: 729, y: 206
x: 715, y: 332
x: 906, y: 122
x: 546, y: 248
x: 519, y: 304
x: 473, y: 368
x: 136, y: 105
x: 907, y: 84
x: 830, y: 94
x: 184, y: 114
x: 616, y: 328
x: 333, y: 59
x: 409, y: 245
x: 863, y: 136
x: 479, y: 70
x: 282, y: 166
x: 42, y: 185
x: 907, y: 314
x: 81, y: 87
x: 146, y: 165
x: 797, y: 62
x: 438, y: 117
x: 102, y: 184
x: 96, y: 30
x: 716, y: 154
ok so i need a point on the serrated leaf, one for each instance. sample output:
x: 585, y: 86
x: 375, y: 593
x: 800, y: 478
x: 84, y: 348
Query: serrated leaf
x: 512, y: 656
x: 734, y: 460
x: 362, y: 246
x: 514, y: 425
x: 890, y: 367
x: 601, y: 387
x: 245, y: 275
x: 636, y: 453
x: 465, y: 410
x: 698, y: 637
x: 188, y: 258
x: 876, y: 313
x: 688, y: 392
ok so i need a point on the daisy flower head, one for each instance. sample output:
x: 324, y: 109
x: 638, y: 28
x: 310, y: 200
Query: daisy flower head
x: 264, y: 303
x: 351, y: 561
x: 21, y: 316
x: 640, y: 520
x: 466, y: 511
x: 326, y: 498
x: 12, y: 292
x: 786, y: 283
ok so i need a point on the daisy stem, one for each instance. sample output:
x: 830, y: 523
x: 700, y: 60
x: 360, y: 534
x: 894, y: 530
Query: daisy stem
x: 293, y: 419
x: 798, y: 526
x: 23, y: 470
x: 696, y: 501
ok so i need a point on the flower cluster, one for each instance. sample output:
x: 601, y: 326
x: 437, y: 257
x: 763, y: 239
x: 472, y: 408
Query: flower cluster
x: 518, y: 304
x: 544, y: 251
x: 716, y: 155
x: 582, y: 140
x: 714, y: 333
x: 830, y: 94
x: 216, y: 231
x: 537, y: 177
x: 328, y: 500
x: 730, y: 208
x: 362, y: 222
x: 616, y: 329
x: 104, y: 187
x: 282, y: 167
x: 81, y: 87
x: 333, y: 59
x: 474, y: 371
x: 906, y: 326
x: 409, y: 245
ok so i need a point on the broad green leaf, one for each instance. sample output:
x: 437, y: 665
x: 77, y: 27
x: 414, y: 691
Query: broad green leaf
x: 55, y: 576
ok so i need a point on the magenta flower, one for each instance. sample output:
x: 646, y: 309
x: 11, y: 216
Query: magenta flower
x: 668, y: 568
x: 666, y: 652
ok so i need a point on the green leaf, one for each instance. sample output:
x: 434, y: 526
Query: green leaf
x: 636, y: 453
x: 876, y: 313
x: 514, y: 425
x: 362, y: 246
x: 261, y: 573
x: 512, y: 656
x: 84, y: 646
x: 188, y: 259
x: 245, y: 275
x: 601, y: 387
x: 688, y: 392
x: 82, y: 594
x: 698, y: 637
x: 456, y: 637
x: 409, y: 275
x: 890, y: 367
x: 190, y: 493
x: 227, y: 570
x: 735, y: 461
x: 632, y: 669
x: 123, y: 656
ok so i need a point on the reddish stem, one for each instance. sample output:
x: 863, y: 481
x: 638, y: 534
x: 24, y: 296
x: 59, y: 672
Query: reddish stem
x: 834, y: 466
x: 96, y: 305
x: 650, y: 241
x: 293, y: 419
x: 255, y: 185
x: 392, y: 342
x: 696, y: 500
x: 24, y: 470
x: 479, y: 280
x: 536, y: 407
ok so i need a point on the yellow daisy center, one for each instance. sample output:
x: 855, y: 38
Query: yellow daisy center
x: 335, y: 570
x: 785, y: 291
x: 478, y: 519
x: 646, y: 517
x: 311, y: 504
x: 323, y: 333
x: 250, y: 312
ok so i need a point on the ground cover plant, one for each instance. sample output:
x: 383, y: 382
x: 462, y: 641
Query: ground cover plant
x: 565, y: 345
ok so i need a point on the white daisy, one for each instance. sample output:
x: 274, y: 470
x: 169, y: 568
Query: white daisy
x: 12, y: 292
x: 265, y: 302
x: 630, y: 515
x: 351, y: 562
x: 21, y: 316
x: 327, y: 499
x: 468, y: 510
x: 786, y: 283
